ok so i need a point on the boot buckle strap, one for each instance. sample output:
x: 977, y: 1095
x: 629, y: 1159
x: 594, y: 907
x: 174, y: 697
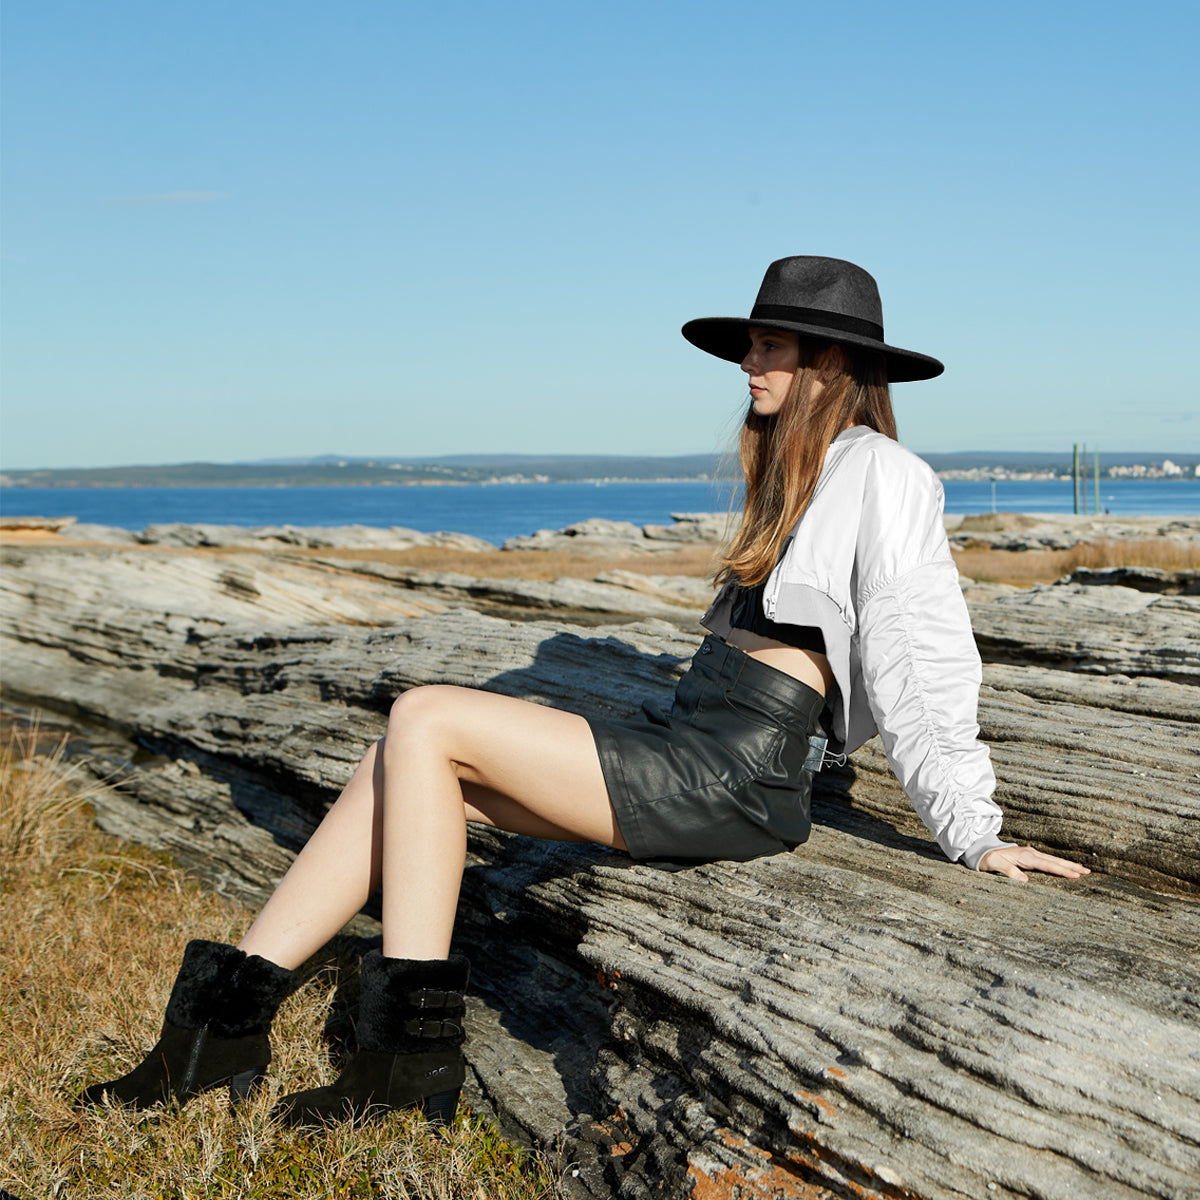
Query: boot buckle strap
x: 434, y: 998
x: 426, y: 1027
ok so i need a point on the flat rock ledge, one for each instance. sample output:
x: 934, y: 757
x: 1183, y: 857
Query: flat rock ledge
x: 601, y: 536
x: 1062, y: 531
x: 855, y: 1019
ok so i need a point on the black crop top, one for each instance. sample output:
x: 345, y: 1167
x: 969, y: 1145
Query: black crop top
x: 747, y: 613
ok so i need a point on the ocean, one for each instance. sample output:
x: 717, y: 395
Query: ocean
x: 499, y: 511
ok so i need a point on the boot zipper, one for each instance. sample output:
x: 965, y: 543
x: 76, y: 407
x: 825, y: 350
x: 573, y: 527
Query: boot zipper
x: 193, y: 1063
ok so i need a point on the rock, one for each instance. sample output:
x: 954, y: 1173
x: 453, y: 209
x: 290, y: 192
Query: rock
x: 346, y: 537
x: 1143, y: 579
x: 858, y: 1018
x: 592, y: 534
x: 706, y: 528
x: 106, y: 534
x: 35, y: 524
x: 1060, y: 531
x: 601, y: 536
x: 675, y: 589
x: 1110, y: 630
x: 583, y: 600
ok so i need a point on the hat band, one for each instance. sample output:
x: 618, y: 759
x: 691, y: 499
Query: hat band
x: 817, y: 316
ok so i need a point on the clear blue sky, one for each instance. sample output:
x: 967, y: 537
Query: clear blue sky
x: 243, y: 229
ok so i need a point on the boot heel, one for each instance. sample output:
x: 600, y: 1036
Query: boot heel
x: 441, y: 1107
x: 244, y: 1085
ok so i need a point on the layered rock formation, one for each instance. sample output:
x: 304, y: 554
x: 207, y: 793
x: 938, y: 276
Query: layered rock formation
x: 858, y: 1018
x: 603, y: 536
x: 1061, y: 531
x: 274, y: 537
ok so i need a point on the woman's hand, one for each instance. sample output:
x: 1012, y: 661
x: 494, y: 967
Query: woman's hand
x: 1008, y: 860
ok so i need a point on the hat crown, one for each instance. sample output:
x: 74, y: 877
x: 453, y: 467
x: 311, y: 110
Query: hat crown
x: 822, y: 299
x: 815, y: 284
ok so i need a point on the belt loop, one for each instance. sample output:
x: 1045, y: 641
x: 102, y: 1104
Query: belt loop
x: 735, y: 664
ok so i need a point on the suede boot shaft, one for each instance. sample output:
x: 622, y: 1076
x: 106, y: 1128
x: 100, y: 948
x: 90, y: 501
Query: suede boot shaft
x: 410, y: 1035
x: 215, y: 1032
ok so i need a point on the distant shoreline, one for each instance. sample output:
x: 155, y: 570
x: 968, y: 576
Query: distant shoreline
x: 25, y: 481
x: 957, y: 476
x: 597, y: 470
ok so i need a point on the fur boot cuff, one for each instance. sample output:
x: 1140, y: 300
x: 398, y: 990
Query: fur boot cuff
x: 409, y: 1005
x: 234, y: 994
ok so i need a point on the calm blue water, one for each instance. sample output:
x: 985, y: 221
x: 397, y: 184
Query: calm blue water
x: 491, y: 511
x: 499, y: 511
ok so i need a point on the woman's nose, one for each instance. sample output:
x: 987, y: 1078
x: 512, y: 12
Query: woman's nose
x: 747, y: 364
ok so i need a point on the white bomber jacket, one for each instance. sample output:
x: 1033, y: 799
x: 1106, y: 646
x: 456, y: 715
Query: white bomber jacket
x: 869, y: 564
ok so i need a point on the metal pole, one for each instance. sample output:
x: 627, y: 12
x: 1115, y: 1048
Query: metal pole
x: 1075, y: 476
x: 1096, y: 477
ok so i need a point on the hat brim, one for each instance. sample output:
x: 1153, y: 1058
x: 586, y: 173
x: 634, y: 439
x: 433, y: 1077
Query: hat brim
x: 729, y: 338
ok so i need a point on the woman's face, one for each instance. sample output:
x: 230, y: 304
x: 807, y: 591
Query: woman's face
x: 772, y: 361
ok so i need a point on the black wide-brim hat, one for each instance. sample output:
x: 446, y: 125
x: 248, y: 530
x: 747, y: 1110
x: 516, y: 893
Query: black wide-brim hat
x: 823, y: 298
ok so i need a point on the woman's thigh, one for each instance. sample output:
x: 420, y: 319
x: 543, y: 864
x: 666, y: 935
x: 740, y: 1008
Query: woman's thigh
x: 523, y: 767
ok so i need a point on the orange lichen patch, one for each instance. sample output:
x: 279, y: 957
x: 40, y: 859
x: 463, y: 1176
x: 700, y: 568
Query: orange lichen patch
x: 821, y: 1161
x: 835, y: 1072
x: 739, y: 1143
x: 752, y: 1184
x: 787, y: 1176
x: 819, y: 1103
x: 620, y: 1149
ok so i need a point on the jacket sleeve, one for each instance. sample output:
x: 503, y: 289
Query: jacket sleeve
x: 922, y: 676
x: 920, y: 667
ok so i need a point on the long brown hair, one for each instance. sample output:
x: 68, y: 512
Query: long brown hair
x: 782, y: 454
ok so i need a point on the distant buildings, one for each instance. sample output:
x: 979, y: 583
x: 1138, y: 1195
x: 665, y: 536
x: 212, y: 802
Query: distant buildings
x: 1164, y: 470
x: 990, y: 473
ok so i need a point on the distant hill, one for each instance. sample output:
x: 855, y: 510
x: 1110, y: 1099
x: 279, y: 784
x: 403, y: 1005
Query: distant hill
x: 330, y: 469
x: 965, y: 460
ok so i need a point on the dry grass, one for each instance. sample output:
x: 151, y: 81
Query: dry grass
x: 1027, y: 567
x: 93, y: 933
x: 534, y: 564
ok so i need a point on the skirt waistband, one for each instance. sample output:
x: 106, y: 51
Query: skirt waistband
x: 782, y: 695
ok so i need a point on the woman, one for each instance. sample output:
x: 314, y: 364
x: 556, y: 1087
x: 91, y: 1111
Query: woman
x: 840, y: 615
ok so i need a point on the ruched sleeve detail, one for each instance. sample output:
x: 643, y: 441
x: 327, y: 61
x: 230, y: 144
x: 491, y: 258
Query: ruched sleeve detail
x: 922, y: 674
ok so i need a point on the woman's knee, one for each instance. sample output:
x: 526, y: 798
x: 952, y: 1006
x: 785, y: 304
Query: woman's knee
x: 421, y: 713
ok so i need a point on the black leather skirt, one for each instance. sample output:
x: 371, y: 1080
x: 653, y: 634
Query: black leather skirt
x: 723, y: 775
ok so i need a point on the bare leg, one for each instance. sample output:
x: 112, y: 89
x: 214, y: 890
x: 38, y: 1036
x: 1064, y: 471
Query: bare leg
x: 332, y: 877
x: 537, y: 772
x: 469, y: 756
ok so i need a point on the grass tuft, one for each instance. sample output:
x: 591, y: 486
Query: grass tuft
x: 1027, y: 567
x: 94, y: 932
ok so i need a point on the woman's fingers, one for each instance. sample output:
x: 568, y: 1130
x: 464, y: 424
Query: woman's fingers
x: 1009, y: 861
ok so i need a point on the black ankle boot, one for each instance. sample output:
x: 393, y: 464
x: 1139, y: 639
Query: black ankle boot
x: 410, y: 1036
x: 215, y: 1031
